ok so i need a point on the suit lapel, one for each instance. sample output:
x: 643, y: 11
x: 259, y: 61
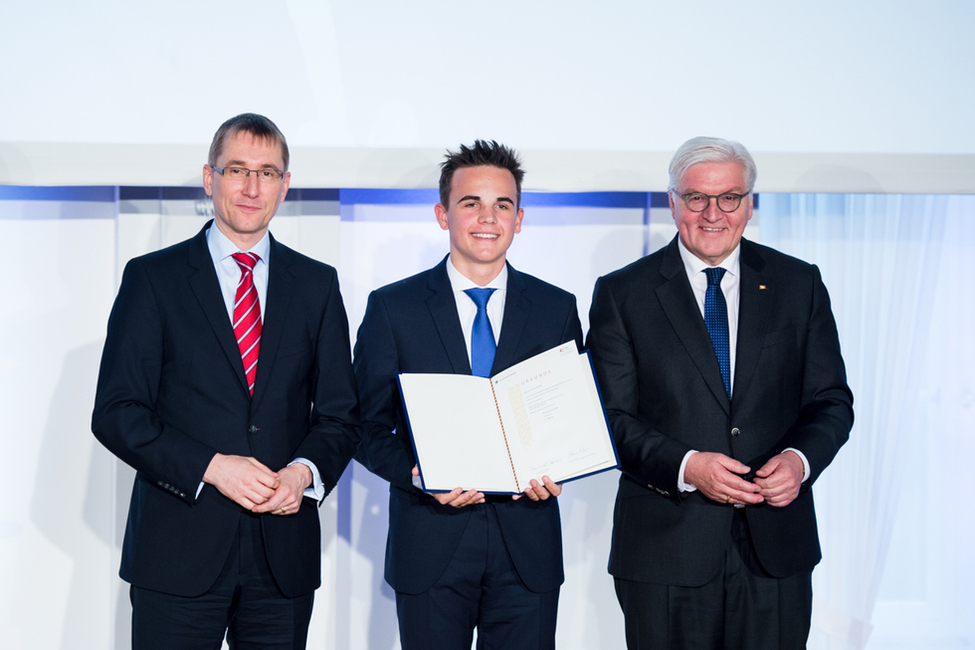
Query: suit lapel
x: 443, y: 310
x: 677, y: 300
x: 756, y: 291
x: 516, y: 308
x: 203, y: 281
x: 280, y: 291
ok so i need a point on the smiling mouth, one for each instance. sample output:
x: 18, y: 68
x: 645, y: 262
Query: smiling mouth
x: 706, y: 229
x: 484, y: 235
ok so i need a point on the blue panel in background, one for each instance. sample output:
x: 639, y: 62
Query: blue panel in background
x: 585, y: 199
x: 140, y: 193
x: 389, y: 197
x: 161, y: 193
x: 312, y: 194
x: 99, y: 194
x: 659, y: 200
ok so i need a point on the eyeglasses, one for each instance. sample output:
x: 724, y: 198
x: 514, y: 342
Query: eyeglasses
x: 727, y: 202
x: 240, y: 174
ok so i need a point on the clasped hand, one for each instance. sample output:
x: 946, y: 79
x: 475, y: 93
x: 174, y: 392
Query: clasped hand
x: 719, y: 478
x: 253, y: 486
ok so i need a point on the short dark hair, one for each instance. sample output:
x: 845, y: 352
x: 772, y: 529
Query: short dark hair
x: 258, y: 126
x: 480, y: 153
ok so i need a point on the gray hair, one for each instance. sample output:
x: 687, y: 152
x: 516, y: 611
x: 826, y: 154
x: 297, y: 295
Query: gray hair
x: 703, y: 149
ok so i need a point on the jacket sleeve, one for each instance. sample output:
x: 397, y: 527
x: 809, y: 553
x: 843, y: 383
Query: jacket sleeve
x: 826, y: 414
x: 384, y: 450
x: 124, y: 417
x: 646, y: 455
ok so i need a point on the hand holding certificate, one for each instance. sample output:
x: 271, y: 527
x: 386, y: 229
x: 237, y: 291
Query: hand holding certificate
x: 541, y: 417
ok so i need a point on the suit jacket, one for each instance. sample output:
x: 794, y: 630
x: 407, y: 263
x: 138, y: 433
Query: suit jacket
x: 172, y: 393
x: 663, y: 392
x: 413, y: 326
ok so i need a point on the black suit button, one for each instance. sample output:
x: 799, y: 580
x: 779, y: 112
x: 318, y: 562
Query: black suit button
x: 735, y: 432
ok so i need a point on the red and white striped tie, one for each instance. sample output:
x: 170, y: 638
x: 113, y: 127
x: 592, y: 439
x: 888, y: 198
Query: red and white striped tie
x: 247, y: 316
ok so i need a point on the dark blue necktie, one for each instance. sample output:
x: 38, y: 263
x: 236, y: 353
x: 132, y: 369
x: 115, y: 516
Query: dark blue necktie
x: 482, y: 336
x: 716, y: 320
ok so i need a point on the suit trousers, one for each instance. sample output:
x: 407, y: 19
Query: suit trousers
x: 742, y: 608
x: 244, y: 604
x: 480, y: 588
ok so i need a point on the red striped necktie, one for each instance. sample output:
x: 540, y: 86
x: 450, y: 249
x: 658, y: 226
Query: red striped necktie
x: 247, y: 316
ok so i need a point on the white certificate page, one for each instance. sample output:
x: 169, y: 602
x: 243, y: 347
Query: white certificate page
x: 553, y: 419
x: 456, y: 433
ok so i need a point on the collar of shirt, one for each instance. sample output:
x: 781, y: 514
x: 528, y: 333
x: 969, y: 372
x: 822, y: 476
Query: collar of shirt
x: 694, y: 267
x: 228, y: 273
x: 467, y: 310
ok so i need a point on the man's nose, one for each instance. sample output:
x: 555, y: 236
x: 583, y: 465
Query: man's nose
x: 712, y: 212
x: 252, y: 185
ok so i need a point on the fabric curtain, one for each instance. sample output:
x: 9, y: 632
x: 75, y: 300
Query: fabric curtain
x: 881, y: 257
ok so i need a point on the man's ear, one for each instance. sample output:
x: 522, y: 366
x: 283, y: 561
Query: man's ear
x: 208, y: 179
x: 441, y: 213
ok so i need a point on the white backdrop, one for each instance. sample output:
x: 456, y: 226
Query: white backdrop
x: 830, y: 76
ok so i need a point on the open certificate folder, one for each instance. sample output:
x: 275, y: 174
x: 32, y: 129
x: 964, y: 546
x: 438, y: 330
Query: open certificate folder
x: 541, y: 417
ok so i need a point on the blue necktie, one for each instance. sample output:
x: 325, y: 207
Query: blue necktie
x: 716, y: 320
x: 482, y: 336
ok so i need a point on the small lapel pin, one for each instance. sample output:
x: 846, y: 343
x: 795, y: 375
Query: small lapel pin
x: 761, y: 287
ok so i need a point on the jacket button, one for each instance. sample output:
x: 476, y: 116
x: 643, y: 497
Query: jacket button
x: 735, y: 432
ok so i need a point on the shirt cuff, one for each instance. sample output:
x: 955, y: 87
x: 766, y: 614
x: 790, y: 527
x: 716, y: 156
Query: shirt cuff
x: 681, y: 485
x: 316, y: 490
x: 805, y: 463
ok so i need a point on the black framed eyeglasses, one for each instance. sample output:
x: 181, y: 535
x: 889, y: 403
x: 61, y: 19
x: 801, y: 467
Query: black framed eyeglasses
x: 698, y: 202
x: 266, y: 175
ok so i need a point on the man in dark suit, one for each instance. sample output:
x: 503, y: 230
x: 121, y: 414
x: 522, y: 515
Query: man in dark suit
x: 462, y: 560
x: 226, y: 383
x: 720, y: 367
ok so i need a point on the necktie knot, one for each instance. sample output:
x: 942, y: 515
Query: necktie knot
x: 246, y: 261
x: 480, y: 297
x: 714, y: 275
